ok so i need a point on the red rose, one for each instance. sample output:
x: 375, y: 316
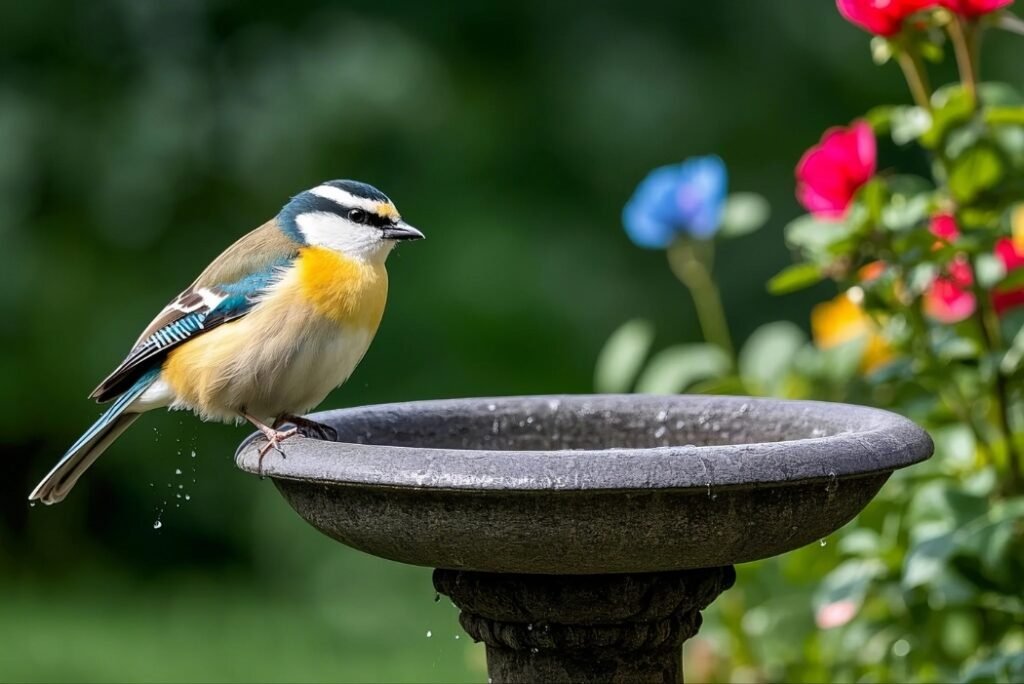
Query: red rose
x: 830, y: 173
x: 885, y: 17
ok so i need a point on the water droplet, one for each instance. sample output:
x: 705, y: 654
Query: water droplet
x: 529, y: 627
x: 660, y: 432
x: 188, y: 497
x: 823, y: 543
x: 177, y: 496
x: 529, y: 420
x: 177, y: 471
x: 534, y: 650
x: 437, y: 598
x: 31, y: 504
x: 554, y: 404
x: 491, y: 407
x: 429, y: 634
x: 181, y: 486
x: 680, y: 424
x: 193, y: 453
x: 157, y: 524
x: 456, y: 637
x: 662, y: 415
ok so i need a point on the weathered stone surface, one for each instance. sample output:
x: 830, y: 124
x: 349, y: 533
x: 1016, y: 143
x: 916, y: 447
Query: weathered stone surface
x: 590, y: 484
x: 595, y: 628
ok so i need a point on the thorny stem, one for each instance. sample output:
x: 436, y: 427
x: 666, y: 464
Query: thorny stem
x: 991, y: 338
x: 949, y: 392
x: 917, y: 77
x: 962, y: 36
x: 691, y: 261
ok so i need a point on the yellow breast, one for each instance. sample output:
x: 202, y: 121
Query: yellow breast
x: 349, y: 292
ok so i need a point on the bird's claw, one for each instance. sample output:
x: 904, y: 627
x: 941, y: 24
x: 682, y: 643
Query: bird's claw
x: 274, y: 439
x: 312, y: 429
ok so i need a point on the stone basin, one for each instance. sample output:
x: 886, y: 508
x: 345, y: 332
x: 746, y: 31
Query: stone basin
x: 589, y: 484
x: 581, y: 536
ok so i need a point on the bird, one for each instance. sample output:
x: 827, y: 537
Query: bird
x: 267, y: 330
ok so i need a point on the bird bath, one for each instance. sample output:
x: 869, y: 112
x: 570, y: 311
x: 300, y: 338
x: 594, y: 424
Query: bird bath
x: 581, y: 536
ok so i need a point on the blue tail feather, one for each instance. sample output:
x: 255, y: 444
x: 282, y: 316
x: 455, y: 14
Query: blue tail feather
x: 87, y: 448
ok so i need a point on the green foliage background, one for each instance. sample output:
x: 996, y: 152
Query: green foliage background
x: 137, y: 139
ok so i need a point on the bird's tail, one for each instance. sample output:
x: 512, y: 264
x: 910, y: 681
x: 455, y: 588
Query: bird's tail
x: 115, y: 420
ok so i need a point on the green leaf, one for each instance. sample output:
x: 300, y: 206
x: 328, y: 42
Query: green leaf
x: 951, y: 106
x: 990, y: 270
x: 1014, y: 355
x: 674, y: 369
x: 903, y: 213
x: 908, y: 124
x: 849, y: 581
x: 880, y: 118
x: 999, y: 95
x: 768, y: 354
x: 1014, y: 280
x: 1002, y: 116
x: 815, y: 237
x: 623, y: 355
x: 881, y: 50
x: 927, y: 559
x: 976, y: 170
x: 795, y: 277
x: 842, y: 361
x: 744, y: 213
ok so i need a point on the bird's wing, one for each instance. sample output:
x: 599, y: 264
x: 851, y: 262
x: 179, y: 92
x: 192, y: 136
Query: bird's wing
x: 225, y: 291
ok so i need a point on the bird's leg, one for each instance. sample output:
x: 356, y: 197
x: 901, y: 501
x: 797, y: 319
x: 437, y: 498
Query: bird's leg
x: 309, y: 428
x: 274, y: 438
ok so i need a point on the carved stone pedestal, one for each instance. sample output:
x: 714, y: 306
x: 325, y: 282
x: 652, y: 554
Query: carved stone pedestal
x: 583, y: 628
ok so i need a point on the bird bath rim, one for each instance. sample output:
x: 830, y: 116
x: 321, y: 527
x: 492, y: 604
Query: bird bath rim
x: 858, y: 441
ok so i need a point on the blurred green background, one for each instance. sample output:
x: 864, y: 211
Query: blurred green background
x: 139, y: 138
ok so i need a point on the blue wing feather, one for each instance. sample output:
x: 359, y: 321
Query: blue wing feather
x: 194, y: 312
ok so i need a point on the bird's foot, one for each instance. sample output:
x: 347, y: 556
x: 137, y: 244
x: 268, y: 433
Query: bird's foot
x: 274, y: 439
x: 311, y: 428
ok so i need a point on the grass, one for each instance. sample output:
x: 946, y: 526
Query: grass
x: 367, y: 624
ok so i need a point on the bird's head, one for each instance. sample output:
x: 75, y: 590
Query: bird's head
x: 349, y: 217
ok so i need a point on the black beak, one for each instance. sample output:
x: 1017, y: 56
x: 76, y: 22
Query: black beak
x: 401, y: 231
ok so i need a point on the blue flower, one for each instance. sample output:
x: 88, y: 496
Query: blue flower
x: 682, y: 199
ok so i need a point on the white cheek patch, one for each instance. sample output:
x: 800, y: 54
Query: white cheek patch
x: 345, y: 198
x: 354, y: 240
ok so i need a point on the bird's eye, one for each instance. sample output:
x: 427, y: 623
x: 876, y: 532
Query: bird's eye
x: 357, y: 216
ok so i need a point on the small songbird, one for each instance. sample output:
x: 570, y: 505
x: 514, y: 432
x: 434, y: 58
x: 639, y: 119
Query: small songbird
x: 276, y: 322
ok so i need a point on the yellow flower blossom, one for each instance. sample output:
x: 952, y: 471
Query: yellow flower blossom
x: 843, y: 320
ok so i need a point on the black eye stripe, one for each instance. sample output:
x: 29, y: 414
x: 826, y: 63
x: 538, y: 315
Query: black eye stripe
x: 328, y: 206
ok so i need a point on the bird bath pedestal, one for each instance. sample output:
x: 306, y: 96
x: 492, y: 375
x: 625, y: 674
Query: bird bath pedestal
x: 581, y: 536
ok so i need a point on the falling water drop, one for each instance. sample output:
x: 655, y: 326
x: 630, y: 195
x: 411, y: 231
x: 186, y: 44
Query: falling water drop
x: 157, y: 524
x: 823, y: 543
x: 177, y: 471
x: 188, y: 497
x: 456, y: 637
x: 429, y: 634
x: 31, y: 504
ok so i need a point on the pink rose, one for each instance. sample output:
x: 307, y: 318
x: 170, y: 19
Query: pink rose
x: 972, y: 9
x: 885, y: 17
x: 950, y: 299
x: 830, y: 173
x: 835, y: 614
